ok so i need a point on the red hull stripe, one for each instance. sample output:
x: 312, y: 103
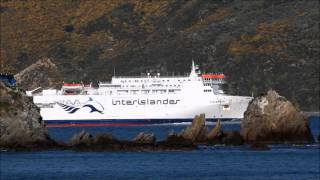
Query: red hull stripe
x: 118, y: 122
x: 95, y: 125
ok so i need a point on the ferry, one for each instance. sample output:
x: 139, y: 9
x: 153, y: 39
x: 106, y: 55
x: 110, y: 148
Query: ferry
x: 140, y: 100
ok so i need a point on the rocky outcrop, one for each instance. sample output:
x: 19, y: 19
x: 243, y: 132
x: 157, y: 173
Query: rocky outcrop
x: 216, y: 134
x: 82, y: 138
x: 271, y: 118
x: 176, y: 142
x: 42, y: 73
x: 144, y: 138
x: 84, y: 141
x: 21, y: 126
x: 232, y: 138
x: 105, y: 138
x: 198, y: 131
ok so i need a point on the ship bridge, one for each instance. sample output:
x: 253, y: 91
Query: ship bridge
x: 164, y: 84
x: 195, y: 82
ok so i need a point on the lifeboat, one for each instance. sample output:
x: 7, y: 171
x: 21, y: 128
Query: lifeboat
x: 213, y: 76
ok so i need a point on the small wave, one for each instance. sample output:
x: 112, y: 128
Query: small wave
x: 170, y: 124
x: 294, y: 146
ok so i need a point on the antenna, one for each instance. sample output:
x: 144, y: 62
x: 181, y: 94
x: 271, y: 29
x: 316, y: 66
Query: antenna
x: 114, y: 71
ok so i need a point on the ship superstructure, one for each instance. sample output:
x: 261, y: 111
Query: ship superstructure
x: 140, y: 100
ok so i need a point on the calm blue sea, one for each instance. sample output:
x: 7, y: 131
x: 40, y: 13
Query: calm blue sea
x: 218, y: 162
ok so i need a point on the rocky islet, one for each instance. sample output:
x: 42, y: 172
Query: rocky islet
x: 269, y: 119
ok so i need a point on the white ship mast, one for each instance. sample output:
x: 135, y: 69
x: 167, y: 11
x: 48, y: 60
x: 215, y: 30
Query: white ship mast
x: 195, y: 72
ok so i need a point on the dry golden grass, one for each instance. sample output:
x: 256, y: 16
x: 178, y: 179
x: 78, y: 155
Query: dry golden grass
x: 237, y: 48
x: 272, y: 28
x: 265, y: 32
x: 219, y: 15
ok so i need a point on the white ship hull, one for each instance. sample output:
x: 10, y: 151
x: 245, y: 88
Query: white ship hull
x: 166, y: 109
x: 138, y: 101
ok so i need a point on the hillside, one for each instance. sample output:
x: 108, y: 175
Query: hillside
x: 259, y: 45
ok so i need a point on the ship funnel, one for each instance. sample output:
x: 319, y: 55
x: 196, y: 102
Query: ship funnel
x: 194, y: 70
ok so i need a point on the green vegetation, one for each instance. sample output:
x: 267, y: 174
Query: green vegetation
x: 258, y: 45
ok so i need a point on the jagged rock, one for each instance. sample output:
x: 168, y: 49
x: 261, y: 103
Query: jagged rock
x: 105, y: 139
x: 42, y: 73
x: 105, y: 142
x: 232, y: 138
x: 197, y: 132
x: 21, y: 126
x: 176, y: 142
x: 216, y: 134
x: 144, y: 138
x: 82, y: 139
x: 273, y: 119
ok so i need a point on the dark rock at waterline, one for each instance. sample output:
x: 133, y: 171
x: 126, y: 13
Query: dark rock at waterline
x: 233, y: 138
x: 271, y: 119
x: 198, y: 131
x: 82, y: 138
x: 216, y: 134
x: 84, y: 141
x: 259, y: 147
x: 21, y: 126
x: 104, y: 138
x: 176, y: 142
x: 107, y: 142
x: 145, y: 138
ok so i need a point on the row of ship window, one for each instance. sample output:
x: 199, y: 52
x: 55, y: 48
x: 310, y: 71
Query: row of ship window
x: 158, y: 85
x: 154, y: 85
x: 145, y: 91
x: 124, y: 81
x: 207, y: 90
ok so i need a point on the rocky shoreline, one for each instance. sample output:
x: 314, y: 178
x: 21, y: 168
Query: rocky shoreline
x: 269, y: 119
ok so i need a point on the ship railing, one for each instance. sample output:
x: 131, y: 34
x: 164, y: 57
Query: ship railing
x: 155, y: 76
x: 36, y: 91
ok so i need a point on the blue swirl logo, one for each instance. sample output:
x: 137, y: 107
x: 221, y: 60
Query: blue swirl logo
x: 94, y: 106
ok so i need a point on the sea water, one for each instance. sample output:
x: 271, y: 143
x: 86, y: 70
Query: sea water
x: 215, y: 162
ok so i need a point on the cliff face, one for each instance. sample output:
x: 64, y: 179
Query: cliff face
x: 20, y: 121
x: 258, y: 44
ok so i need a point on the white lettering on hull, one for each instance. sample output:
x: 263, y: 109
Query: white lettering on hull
x: 144, y: 102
